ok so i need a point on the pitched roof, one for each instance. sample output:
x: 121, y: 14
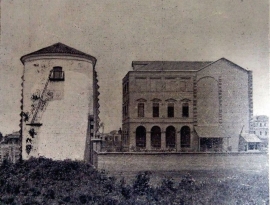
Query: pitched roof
x: 210, y: 132
x: 250, y: 137
x: 59, y: 48
x: 169, y: 65
x: 228, y: 62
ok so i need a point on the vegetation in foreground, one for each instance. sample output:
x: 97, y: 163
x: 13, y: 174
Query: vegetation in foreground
x: 44, y: 181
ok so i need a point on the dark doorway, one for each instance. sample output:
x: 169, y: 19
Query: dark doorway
x: 185, y: 136
x: 211, y: 144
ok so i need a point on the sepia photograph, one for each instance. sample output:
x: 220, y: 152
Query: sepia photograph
x: 145, y: 102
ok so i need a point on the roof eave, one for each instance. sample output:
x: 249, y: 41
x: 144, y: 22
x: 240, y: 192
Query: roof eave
x: 88, y: 57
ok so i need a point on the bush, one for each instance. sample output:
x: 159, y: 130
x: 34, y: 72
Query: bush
x: 44, y: 181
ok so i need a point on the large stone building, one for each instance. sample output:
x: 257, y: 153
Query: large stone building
x: 261, y: 128
x: 186, y: 106
x: 59, y: 103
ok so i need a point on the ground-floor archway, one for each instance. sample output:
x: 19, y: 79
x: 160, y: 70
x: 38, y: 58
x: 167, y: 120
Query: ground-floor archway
x: 170, y: 137
x: 141, y: 137
x: 156, y: 137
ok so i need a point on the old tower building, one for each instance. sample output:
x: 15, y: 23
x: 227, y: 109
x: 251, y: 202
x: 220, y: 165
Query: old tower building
x: 186, y: 106
x: 59, y: 103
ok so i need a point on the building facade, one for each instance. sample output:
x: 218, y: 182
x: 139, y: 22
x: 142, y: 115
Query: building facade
x: 112, y: 142
x: 261, y: 128
x: 59, y: 113
x: 186, y: 106
x: 10, y: 147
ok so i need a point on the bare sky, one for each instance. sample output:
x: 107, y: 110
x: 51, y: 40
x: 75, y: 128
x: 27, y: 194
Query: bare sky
x: 120, y: 31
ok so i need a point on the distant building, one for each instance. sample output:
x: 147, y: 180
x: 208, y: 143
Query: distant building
x: 59, y: 103
x: 186, y: 106
x: 112, y: 142
x: 10, y: 147
x: 261, y: 128
x: 249, y: 142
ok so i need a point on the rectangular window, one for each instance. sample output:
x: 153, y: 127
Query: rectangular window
x: 91, y: 123
x: 155, y: 109
x: 185, y: 110
x: 126, y: 110
x: 141, y: 110
x: 170, y: 110
x: 124, y: 89
x: 57, y: 74
x: 127, y: 87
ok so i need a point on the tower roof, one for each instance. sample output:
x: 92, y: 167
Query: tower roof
x: 59, y: 48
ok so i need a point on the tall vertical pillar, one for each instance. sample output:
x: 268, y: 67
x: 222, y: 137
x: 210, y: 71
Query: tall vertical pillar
x: 148, y: 140
x: 195, y: 100
x: 178, y: 142
x: 163, y: 140
x: 250, y: 101
x: 220, y: 100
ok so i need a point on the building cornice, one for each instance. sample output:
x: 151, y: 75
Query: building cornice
x: 61, y: 56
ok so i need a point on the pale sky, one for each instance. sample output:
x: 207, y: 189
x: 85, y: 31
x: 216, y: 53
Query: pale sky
x: 120, y: 31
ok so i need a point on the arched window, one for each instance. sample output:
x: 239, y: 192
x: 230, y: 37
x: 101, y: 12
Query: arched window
x: 185, y: 136
x: 140, y: 137
x: 170, y: 137
x: 156, y: 137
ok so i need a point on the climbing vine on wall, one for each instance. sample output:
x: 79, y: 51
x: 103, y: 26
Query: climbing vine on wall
x: 32, y: 132
x: 29, y: 145
x: 28, y: 148
x: 25, y: 116
x: 35, y: 97
x: 39, y: 102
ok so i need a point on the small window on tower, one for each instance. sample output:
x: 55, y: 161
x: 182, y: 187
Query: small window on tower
x: 57, y: 74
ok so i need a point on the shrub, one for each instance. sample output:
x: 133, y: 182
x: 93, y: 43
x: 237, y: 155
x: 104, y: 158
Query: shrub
x: 44, y: 181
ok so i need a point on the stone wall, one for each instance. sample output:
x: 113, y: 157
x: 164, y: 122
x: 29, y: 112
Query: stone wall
x: 135, y: 162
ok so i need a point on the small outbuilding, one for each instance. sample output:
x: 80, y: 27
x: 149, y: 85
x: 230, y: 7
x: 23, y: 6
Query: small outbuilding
x: 249, y: 142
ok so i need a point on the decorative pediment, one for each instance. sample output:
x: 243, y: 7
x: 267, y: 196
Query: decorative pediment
x: 156, y: 100
x: 141, y: 100
x: 170, y: 100
x: 185, y: 100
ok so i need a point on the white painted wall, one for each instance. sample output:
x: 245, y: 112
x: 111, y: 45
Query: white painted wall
x: 65, y: 118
